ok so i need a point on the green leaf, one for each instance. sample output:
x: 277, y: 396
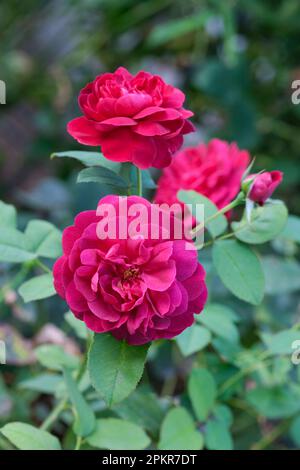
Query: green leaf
x: 266, y: 223
x: 8, y: 215
x: 147, y: 180
x: 276, y: 402
x: 142, y: 408
x: 217, y: 436
x: 223, y: 413
x: 78, y: 326
x: 43, y: 383
x: 117, y: 434
x: 115, y: 367
x: 280, y: 371
x: 89, y: 159
x: 226, y: 349
x: 281, y: 343
x: 85, y: 420
x: 295, y: 431
x: 240, y: 270
x: 217, y: 226
x: 282, y: 275
x: 292, y: 229
x: 44, y: 239
x: 39, y: 287
x: 103, y: 176
x: 26, y: 437
x: 193, y: 339
x: 54, y: 357
x: 13, y: 246
x: 178, y: 432
x: 219, y: 319
x: 202, y: 392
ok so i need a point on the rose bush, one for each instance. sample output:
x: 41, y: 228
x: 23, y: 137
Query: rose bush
x: 138, y: 289
x: 138, y: 119
x: 128, y: 277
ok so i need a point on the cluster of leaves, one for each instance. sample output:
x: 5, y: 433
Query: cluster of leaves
x: 202, y: 390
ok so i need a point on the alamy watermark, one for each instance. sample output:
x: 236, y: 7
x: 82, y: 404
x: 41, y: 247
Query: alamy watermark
x: 296, y: 354
x: 153, y: 222
x: 2, y: 92
x: 2, y: 352
x: 296, y: 93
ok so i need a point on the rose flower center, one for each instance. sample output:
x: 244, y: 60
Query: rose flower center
x: 130, y: 273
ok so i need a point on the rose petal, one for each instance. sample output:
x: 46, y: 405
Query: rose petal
x: 84, y: 131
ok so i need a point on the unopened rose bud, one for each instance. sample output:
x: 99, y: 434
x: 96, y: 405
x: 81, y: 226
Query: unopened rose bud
x: 258, y: 188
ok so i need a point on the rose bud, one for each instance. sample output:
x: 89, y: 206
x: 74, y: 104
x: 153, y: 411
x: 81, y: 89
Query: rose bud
x: 260, y: 187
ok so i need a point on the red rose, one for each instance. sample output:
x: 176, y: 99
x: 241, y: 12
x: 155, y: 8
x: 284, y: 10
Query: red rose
x: 140, y: 289
x: 138, y: 119
x: 213, y: 170
x: 262, y: 185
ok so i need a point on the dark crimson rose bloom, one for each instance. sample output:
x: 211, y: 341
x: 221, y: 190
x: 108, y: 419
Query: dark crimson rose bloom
x: 214, y: 170
x: 138, y: 119
x: 263, y: 185
x: 138, y: 288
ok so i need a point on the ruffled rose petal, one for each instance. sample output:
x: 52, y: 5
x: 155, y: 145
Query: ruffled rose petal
x: 75, y: 299
x: 84, y: 131
x: 58, y: 276
x: 160, y: 279
x: 125, y: 146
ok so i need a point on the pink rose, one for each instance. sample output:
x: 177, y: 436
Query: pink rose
x: 138, y: 119
x: 214, y: 170
x: 263, y: 185
x: 138, y: 289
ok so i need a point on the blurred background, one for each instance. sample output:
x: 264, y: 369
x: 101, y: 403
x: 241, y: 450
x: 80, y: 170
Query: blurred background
x: 236, y: 61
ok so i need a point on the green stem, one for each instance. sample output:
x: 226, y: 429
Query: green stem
x: 78, y: 443
x: 272, y: 436
x: 17, y: 280
x: 248, y: 370
x: 43, y: 266
x: 47, y: 424
x: 61, y: 405
x: 84, y: 361
x: 239, y: 200
x: 139, y: 182
x: 211, y: 242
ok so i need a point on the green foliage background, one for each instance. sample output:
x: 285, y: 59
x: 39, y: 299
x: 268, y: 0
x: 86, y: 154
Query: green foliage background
x: 236, y: 61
